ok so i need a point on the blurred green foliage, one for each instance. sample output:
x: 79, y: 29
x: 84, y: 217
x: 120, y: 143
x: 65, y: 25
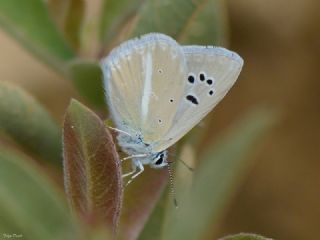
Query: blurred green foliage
x: 68, y: 15
x: 198, y: 22
x: 30, y: 124
x: 29, y: 23
x: 81, y: 71
x: 29, y: 202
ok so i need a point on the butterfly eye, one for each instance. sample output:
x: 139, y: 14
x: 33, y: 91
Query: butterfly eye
x: 209, y: 81
x: 210, y: 92
x: 171, y: 100
x: 160, y: 160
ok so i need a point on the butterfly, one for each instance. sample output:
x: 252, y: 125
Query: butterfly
x: 157, y: 91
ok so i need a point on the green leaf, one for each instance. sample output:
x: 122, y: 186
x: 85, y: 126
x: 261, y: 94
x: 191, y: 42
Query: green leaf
x: 92, y: 170
x: 28, y: 123
x: 245, y: 236
x: 68, y: 15
x: 140, y: 199
x: 98, y: 233
x: 115, y: 14
x: 216, y: 178
x: 153, y: 227
x: 188, y: 21
x: 87, y: 78
x: 29, y: 23
x: 29, y: 203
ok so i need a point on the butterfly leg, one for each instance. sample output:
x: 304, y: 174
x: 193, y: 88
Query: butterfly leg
x: 138, y: 165
x: 134, y: 169
x: 133, y: 156
x: 135, y: 164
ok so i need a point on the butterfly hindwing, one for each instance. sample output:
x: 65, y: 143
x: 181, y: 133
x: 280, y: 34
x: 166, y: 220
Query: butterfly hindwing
x: 211, y: 71
x: 144, y: 83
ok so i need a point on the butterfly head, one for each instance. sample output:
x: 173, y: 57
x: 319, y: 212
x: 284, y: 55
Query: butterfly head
x: 159, y: 160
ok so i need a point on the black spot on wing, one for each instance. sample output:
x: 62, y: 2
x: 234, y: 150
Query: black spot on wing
x: 191, y: 79
x: 210, y: 82
x: 202, y: 77
x: 192, y: 99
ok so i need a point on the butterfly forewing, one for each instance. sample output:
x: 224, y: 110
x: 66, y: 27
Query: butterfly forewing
x: 144, y: 81
x: 211, y: 71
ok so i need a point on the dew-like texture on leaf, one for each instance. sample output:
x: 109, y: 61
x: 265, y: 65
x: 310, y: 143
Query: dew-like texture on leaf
x: 23, y: 119
x: 188, y: 21
x: 245, y: 236
x: 91, y: 167
x: 216, y: 179
x: 30, y: 204
x: 140, y: 199
x: 29, y: 23
x: 68, y: 15
x: 87, y: 78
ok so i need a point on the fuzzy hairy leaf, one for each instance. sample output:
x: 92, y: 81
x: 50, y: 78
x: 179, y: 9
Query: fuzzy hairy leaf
x: 29, y: 203
x: 216, y: 178
x: 29, y: 23
x: 28, y: 123
x: 91, y: 167
x: 245, y: 236
x: 188, y: 21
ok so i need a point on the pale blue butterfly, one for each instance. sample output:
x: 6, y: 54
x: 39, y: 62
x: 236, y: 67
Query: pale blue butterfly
x: 158, y: 90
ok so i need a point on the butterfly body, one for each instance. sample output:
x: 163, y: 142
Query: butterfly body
x: 158, y: 90
x: 141, y: 152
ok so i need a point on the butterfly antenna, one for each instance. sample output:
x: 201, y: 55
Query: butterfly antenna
x: 186, y: 165
x: 171, y: 182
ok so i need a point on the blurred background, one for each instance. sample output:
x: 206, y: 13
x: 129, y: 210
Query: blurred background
x: 280, y: 43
